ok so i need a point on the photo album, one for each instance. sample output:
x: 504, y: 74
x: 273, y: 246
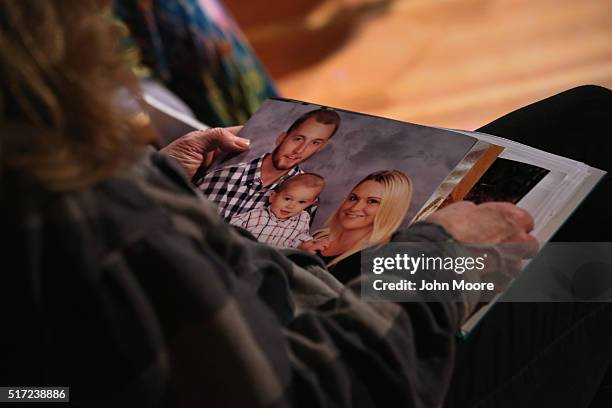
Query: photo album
x: 310, y: 167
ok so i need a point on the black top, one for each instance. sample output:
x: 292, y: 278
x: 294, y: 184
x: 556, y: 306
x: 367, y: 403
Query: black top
x: 347, y: 269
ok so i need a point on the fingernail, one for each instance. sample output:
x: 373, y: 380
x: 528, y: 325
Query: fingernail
x: 242, y: 142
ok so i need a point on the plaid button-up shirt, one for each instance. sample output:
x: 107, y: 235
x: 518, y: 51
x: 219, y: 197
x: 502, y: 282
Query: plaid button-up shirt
x: 134, y: 292
x: 238, y: 189
x: 268, y: 228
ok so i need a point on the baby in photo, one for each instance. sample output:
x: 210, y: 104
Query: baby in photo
x: 283, y: 222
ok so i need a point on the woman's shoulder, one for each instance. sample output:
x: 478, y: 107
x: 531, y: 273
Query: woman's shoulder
x: 149, y: 195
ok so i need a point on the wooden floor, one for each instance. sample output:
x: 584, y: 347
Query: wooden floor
x: 454, y: 63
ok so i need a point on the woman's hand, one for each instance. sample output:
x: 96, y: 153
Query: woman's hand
x: 488, y: 223
x: 313, y: 246
x: 199, y: 148
x: 502, y: 227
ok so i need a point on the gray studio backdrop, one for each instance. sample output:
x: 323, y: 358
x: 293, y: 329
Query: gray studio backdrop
x: 363, y: 144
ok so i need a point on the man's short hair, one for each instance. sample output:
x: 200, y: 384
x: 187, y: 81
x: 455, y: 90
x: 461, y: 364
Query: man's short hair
x: 310, y: 180
x: 321, y: 115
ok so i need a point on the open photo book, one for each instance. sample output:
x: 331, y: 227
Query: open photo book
x: 309, y: 166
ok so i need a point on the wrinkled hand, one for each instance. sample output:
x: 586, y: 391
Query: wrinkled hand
x: 200, y: 147
x: 488, y: 223
x: 502, y: 227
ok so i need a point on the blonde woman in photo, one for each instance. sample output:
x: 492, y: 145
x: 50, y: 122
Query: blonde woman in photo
x: 368, y: 216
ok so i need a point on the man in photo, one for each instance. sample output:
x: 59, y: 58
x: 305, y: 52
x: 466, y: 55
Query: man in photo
x: 245, y: 186
x: 284, y: 223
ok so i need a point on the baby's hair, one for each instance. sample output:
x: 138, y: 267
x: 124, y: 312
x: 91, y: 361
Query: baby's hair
x: 310, y: 180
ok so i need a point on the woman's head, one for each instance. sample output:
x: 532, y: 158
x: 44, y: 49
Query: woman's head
x: 359, y: 209
x: 60, y: 66
x: 377, y: 205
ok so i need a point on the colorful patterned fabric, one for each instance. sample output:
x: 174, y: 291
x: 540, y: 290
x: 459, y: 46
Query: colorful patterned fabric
x: 196, y: 49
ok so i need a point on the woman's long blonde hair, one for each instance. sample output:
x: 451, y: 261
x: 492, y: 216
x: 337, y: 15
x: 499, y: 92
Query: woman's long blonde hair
x: 394, y: 204
x: 60, y: 68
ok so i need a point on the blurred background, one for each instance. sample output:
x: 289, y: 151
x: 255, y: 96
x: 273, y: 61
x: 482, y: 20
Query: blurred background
x: 453, y: 63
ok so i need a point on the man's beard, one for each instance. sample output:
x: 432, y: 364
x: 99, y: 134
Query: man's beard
x: 276, y: 161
